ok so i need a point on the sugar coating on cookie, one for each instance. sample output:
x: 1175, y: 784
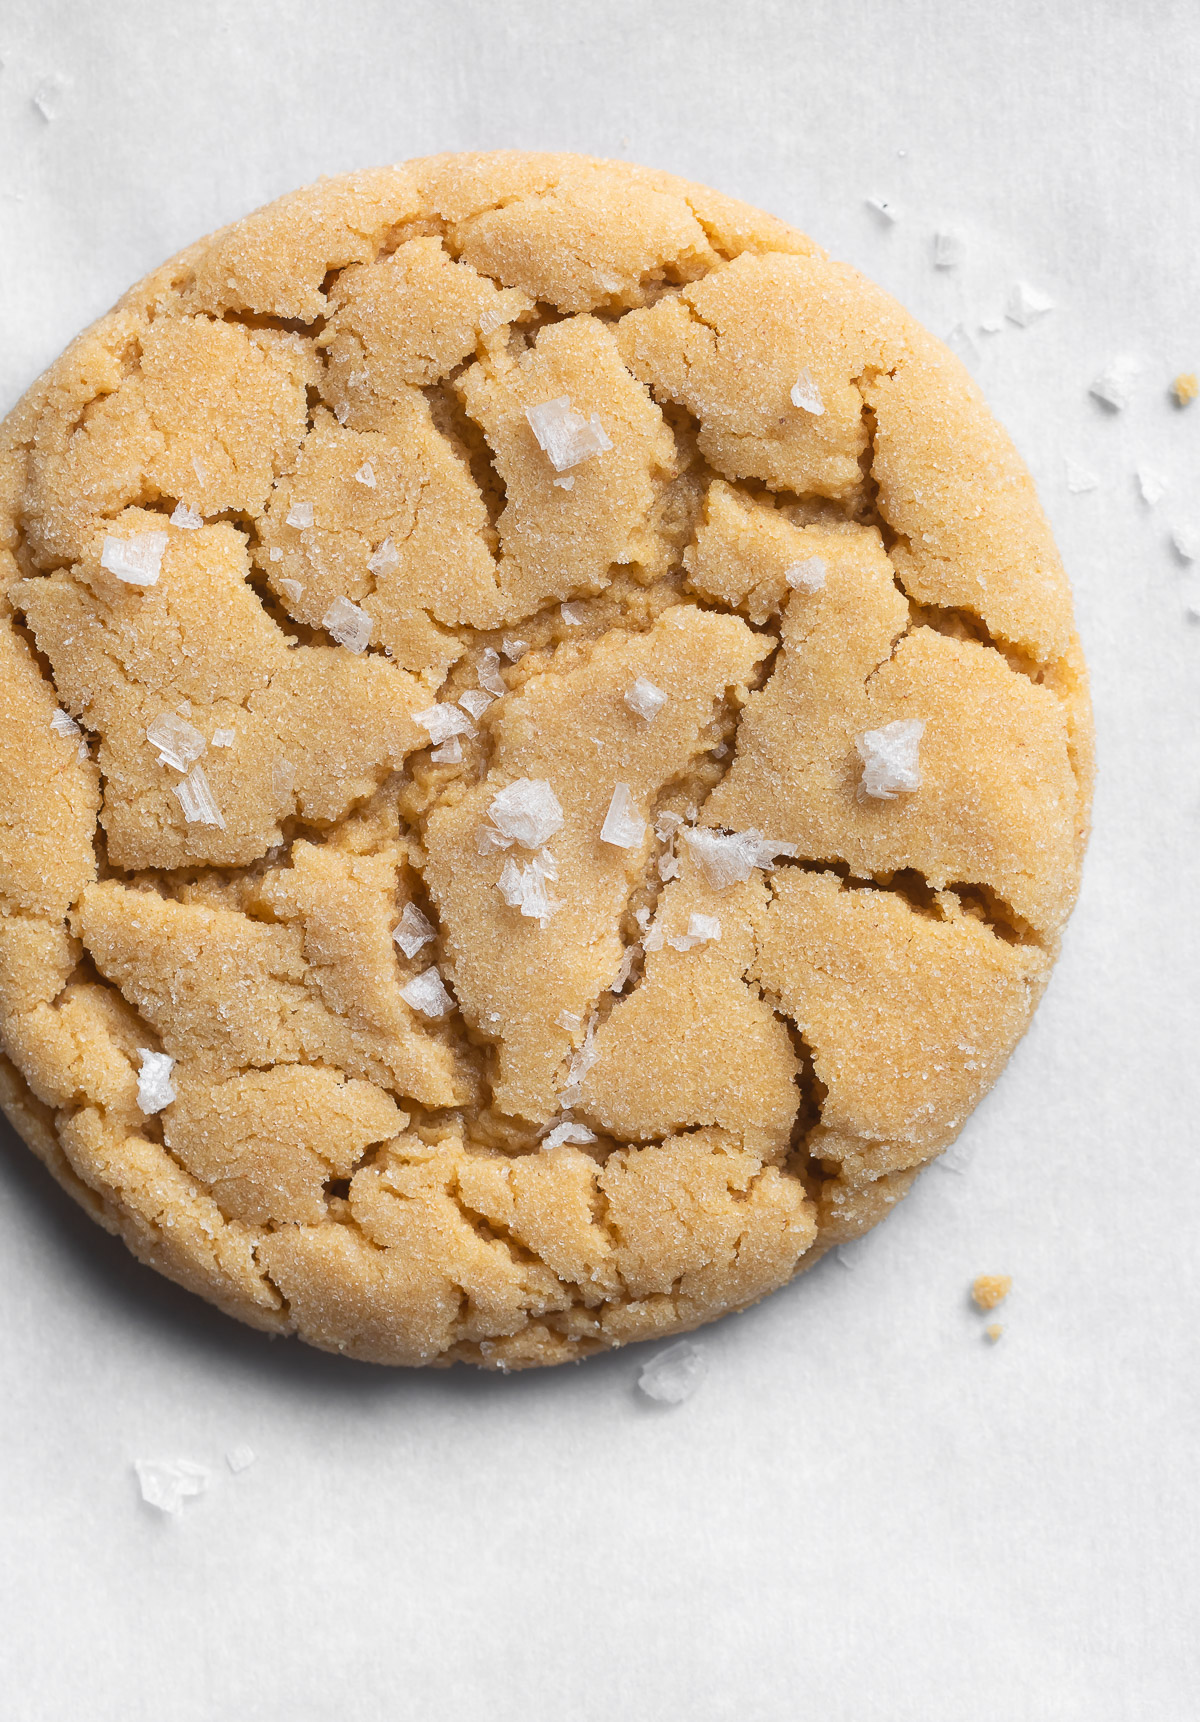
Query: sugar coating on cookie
x: 547, y: 762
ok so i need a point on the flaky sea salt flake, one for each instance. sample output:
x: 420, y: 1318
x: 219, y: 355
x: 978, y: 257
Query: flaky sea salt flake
x: 155, y: 1088
x: 384, y: 558
x: 626, y: 969
x: 1115, y: 385
x: 224, y: 737
x: 196, y: 798
x: 890, y: 759
x: 807, y: 396
x: 291, y: 590
x: 413, y: 930
x: 524, y: 887
x: 475, y: 701
x: 62, y: 723
x: 300, y: 514
x: 449, y: 753
x: 1186, y: 543
x: 568, y: 1132
x: 513, y: 649
x: 167, y: 1483
x: 565, y: 435
x: 1025, y: 304
x: 887, y: 212
x: 240, y: 1458
x: 947, y: 249
x: 136, y: 560
x: 806, y: 576
x: 701, y: 930
x: 729, y: 857
x: 569, y: 1020
x: 187, y: 518
x: 622, y: 827
x: 582, y: 1061
x: 673, y: 1375
x: 426, y: 993
x: 443, y: 721
x: 1152, y: 486
x: 488, y: 673
x: 1079, y: 479
x: 349, y: 626
x: 572, y: 615
x: 366, y: 475
x: 645, y: 699
x: 528, y: 812
x: 179, y: 743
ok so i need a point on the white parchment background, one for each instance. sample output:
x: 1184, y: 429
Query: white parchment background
x: 867, y: 1514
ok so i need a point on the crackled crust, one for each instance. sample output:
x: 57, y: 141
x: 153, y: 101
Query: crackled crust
x: 335, y: 1163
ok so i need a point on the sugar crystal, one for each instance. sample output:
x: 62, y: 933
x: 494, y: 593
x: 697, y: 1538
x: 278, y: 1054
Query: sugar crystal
x: 224, y: 737
x: 155, y: 1088
x: 489, y: 673
x: 179, y: 743
x: 167, y: 1483
x: 187, y: 518
x: 1079, y: 479
x: 1115, y: 384
x: 62, y: 723
x: 1026, y: 304
x: 527, y: 812
x: 807, y: 396
x: 673, y: 1375
x: 443, y: 721
x: 366, y: 475
x: 889, y: 756
x: 384, y: 558
x: 568, y: 1132
x: 475, y: 701
x: 728, y: 858
x: 137, y: 560
x: 300, y: 514
x: 565, y: 435
x: 806, y: 576
x: 196, y: 799
x: 413, y: 931
x: 240, y: 1458
x: 350, y: 626
x: 645, y: 699
x: 1152, y: 486
x: 426, y: 993
x: 622, y: 827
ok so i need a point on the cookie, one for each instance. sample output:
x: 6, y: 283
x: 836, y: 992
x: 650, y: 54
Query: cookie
x: 546, y: 760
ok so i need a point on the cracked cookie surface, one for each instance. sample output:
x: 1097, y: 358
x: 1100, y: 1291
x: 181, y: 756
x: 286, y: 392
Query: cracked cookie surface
x: 545, y: 759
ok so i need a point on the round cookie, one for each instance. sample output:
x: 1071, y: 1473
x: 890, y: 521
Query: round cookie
x: 546, y: 759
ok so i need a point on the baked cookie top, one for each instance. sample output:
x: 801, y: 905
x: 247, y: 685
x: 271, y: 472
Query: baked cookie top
x: 546, y: 759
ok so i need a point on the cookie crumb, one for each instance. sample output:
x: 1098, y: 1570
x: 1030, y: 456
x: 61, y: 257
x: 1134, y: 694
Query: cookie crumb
x: 240, y: 1458
x: 179, y: 743
x: 426, y: 993
x: 890, y: 758
x: 991, y: 1289
x: 1079, y: 479
x: 413, y: 930
x: 155, y: 1088
x: 565, y: 435
x: 349, y: 626
x: 167, y: 1483
x: 187, y: 518
x: 196, y: 799
x: 136, y: 560
x: 993, y: 1330
x: 948, y: 249
x: 806, y: 576
x: 1115, y: 384
x: 443, y: 721
x: 299, y: 514
x: 807, y: 396
x: 527, y: 812
x: 1026, y: 304
x: 645, y: 699
x: 673, y: 1375
x: 622, y: 827
x: 1185, y: 388
x: 1152, y: 486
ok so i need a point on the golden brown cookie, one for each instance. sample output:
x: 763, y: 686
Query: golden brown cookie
x: 545, y: 759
